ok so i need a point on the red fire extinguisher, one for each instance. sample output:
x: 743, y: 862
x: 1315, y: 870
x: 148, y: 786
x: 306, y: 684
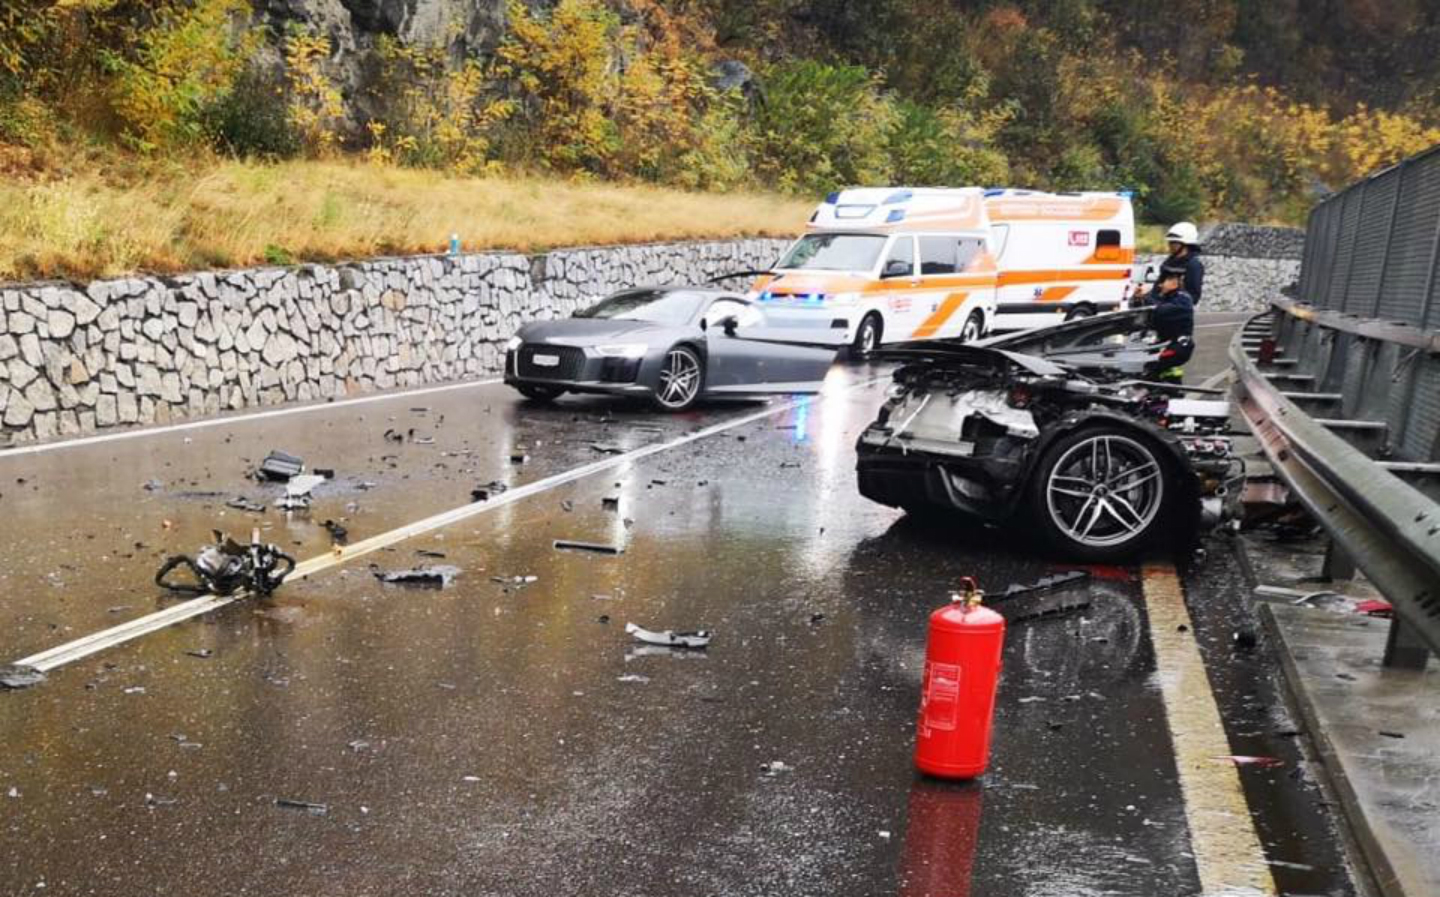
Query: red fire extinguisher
x: 957, y: 697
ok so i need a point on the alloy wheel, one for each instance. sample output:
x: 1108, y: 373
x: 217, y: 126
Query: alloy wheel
x: 1105, y: 491
x: 679, y: 379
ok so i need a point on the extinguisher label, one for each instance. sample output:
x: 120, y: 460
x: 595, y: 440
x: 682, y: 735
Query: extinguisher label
x: 940, y: 696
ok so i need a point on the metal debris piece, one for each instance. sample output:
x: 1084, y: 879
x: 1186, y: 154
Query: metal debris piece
x: 18, y: 676
x: 339, y: 535
x: 437, y: 577
x: 279, y: 467
x: 488, y: 490
x: 313, y: 809
x: 228, y: 566
x: 301, y: 485
x: 669, y: 638
x: 241, y: 503
x: 588, y: 546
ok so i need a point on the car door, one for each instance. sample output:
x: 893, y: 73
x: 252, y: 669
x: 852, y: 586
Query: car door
x: 742, y: 359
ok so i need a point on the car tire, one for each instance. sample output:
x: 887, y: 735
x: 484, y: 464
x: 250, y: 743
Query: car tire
x: 974, y: 327
x: 543, y: 394
x: 682, y: 379
x: 1103, y: 494
x: 867, y: 336
x: 1080, y: 312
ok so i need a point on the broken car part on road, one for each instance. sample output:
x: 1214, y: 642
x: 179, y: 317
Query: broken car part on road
x: 227, y: 567
x: 668, y: 638
x: 1103, y: 464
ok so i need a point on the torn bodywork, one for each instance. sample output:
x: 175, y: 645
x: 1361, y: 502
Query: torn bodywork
x: 227, y: 567
x: 1102, y: 463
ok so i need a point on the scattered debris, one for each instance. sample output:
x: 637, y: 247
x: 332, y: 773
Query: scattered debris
x: 1245, y: 639
x: 427, y: 553
x: 1038, y: 610
x: 1374, y: 607
x: 297, y: 491
x: 312, y: 808
x: 202, y: 653
x: 607, y: 449
x: 518, y: 458
x: 279, y: 467
x: 633, y: 677
x: 134, y: 690
x: 227, y: 566
x: 775, y: 768
x: 603, y: 619
x: 339, y: 535
x: 596, y: 547
x: 422, y: 440
x: 326, y: 472
x: 152, y: 485
x: 394, y: 436
x: 610, y: 502
x: 1241, y: 760
x: 358, y: 745
x: 669, y: 638
x: 1044, y: 584
x: 487, y: 491
x: 437, y: 577
x: 154, y: 800
x: 816, y: 619
x: 567, y: 506
x: 1391, y: 734
x: 241, y: 503
x: 786, y: 464
x: 675, y: 651
x: 515, y: 580
x: 17, y: 676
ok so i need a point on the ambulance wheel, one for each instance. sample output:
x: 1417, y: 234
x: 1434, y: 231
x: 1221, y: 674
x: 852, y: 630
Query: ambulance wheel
x: 867, y: 338
x: 974, y: 327
x: 1079, y: 312
x: 543, y: 394
x: 1102, y: 494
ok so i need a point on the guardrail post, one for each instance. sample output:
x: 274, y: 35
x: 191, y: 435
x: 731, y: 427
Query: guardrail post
x: 1403, y: 648
x: 1338, y: 564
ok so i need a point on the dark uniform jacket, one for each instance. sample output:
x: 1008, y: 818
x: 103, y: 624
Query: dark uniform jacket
x: 1172, y: 316
x: 1194, y: 272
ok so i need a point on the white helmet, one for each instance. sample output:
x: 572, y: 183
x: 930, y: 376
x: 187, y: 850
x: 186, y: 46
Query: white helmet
x: 1183, y: 232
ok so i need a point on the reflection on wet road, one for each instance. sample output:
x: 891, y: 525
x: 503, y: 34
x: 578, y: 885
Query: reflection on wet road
x: 504, y: 735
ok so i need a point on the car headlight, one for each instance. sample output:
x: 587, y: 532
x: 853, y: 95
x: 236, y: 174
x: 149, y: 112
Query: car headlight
x: 626, y: 350
x: 844, y: 298
x: 514, y: 344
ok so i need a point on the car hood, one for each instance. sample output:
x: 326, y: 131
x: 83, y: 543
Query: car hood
x: 593, y: 331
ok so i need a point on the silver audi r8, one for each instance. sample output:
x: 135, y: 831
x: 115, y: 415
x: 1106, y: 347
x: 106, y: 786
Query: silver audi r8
x: 672, y: 345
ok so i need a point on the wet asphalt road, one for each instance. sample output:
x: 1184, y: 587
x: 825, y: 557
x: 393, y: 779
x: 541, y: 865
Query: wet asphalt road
x: 495, y: 738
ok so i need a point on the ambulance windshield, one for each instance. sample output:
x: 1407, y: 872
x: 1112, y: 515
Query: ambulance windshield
x: 834, y: 252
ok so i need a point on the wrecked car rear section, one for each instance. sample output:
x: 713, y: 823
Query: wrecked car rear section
x: 1104, y: 467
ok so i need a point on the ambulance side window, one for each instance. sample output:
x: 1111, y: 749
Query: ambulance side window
x: 1107, y: 246
x: 937, y: 255
x: 967, y: 252
x: 901, y: 260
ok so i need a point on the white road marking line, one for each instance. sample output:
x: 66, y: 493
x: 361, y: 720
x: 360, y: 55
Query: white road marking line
x: 91, y: 644
x: 1235, y: 323
x: 142, y: 432
x: 1228, y: 855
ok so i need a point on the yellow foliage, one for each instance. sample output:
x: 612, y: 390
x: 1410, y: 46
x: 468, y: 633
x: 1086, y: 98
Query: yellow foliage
x: 315, y: 106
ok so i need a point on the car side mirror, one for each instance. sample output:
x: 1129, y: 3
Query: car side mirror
x: 729, y: 324
x: 897, y: 268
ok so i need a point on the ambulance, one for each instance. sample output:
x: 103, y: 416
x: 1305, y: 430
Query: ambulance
x: 892, y: 264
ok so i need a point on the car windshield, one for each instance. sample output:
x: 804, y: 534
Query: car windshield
x: 656, y: 306
x: 834, y: 252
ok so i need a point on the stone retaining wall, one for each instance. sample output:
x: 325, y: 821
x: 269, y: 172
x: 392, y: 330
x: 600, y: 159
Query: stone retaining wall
x: 1253, y: 241
x: 144, y: 350
x: 1240, y: 284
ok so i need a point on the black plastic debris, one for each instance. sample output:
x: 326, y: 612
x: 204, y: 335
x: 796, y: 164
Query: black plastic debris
x: 227, y: 567
x: 518, y: 458
x: 241, y: 503
x: 18, y: 676
x: 326, y: 472
x: 570, y: 545
x: 437, y: 577
x: 1042, y: 585
x: 1042, y: 609
x: 487, y: 491
x: 394, y: 436
x: 279, y: 467
x: 697, y: 639
x: 427, y: 553
x: 607, y: 449
x: 313, y: 809
x: 339, y: 535
x: 202, y: 653
x: 610, y: 502
x: 787, y: 464
x: 152, y: 485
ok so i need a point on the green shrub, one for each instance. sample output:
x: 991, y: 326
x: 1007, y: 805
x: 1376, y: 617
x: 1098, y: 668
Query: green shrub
x: 250, y: 120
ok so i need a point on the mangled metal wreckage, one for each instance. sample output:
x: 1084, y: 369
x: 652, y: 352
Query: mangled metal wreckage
x: 1058, y: 428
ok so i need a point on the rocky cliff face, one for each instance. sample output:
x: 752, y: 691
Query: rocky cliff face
x: 465, y: 27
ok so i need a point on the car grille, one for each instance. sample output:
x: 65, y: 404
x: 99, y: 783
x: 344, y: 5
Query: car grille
x: 571, y: 362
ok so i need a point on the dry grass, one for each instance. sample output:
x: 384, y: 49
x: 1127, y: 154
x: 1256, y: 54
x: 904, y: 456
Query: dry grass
x: 234, y: 214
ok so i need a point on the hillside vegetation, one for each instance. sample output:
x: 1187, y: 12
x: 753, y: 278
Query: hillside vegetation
x: 173, y: 133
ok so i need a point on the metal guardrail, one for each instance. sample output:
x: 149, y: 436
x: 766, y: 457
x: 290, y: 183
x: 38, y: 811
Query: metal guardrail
x: 1388, y: 527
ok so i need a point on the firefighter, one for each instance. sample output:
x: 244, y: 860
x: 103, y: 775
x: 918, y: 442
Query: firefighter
x: 1184, y: 242
x: 1172, y: 317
